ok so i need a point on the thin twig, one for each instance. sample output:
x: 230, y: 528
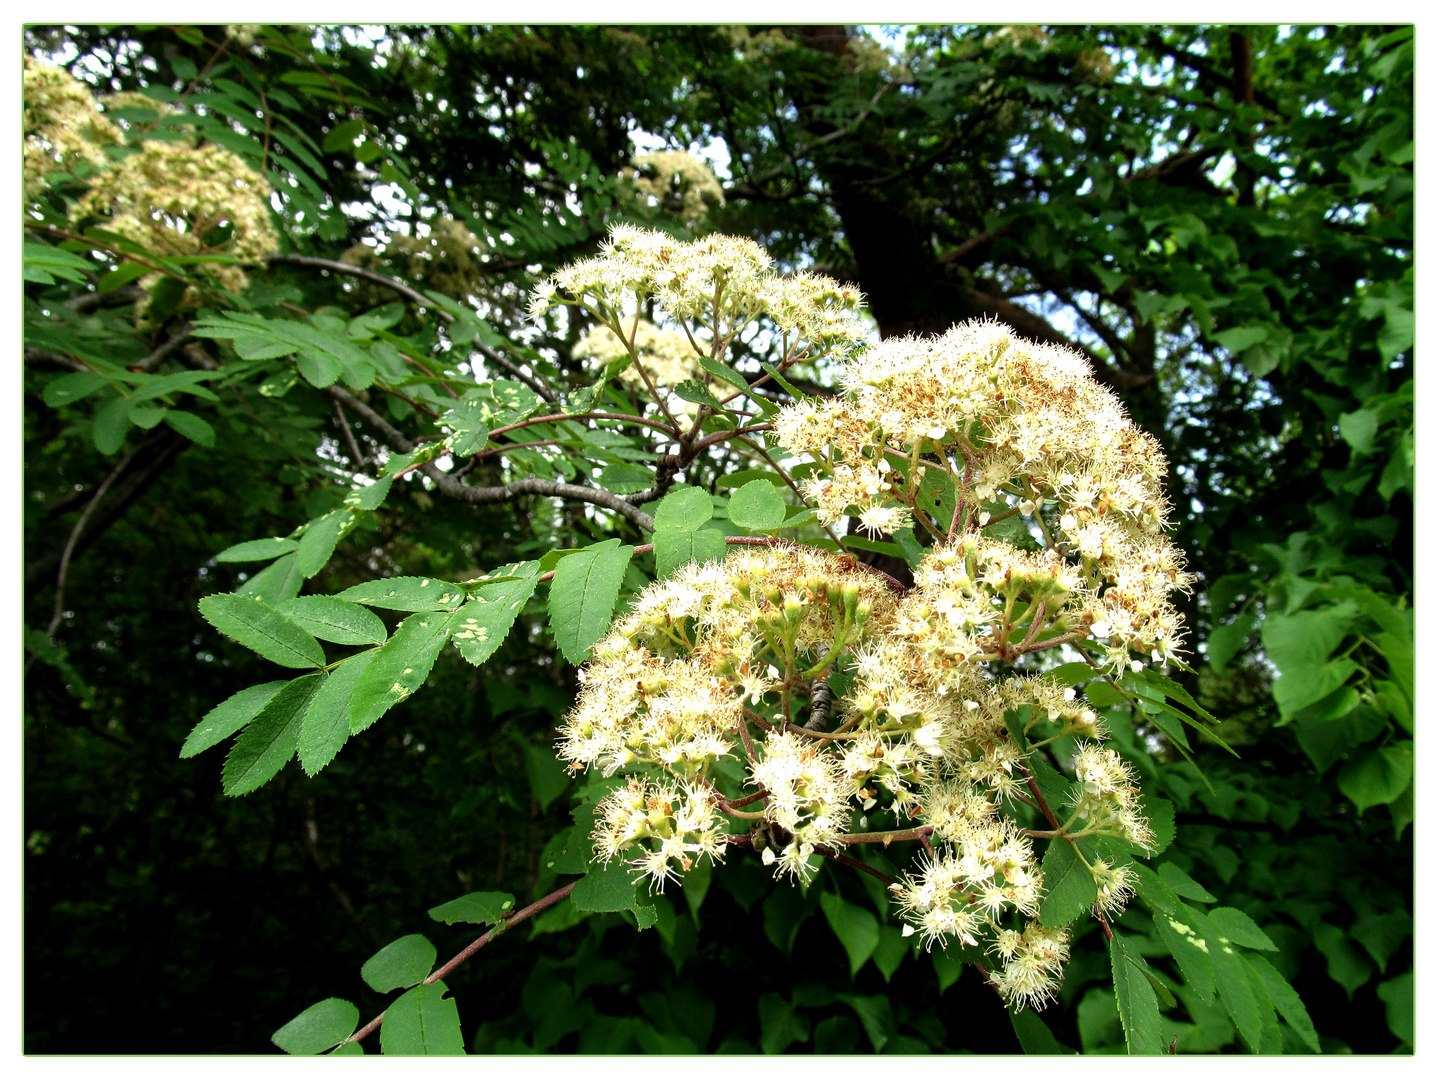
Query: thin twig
x: 70, y: 547
x: 355, y: 454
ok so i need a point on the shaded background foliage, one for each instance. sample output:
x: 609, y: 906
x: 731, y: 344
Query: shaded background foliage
x: 1220, y: 216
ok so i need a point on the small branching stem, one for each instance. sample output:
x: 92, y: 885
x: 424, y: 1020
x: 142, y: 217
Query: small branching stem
x: 475, y: 946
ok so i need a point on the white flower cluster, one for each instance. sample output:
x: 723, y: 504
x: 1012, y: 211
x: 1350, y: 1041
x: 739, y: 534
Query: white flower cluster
x: 671, y: 684
x: 64, y: 128
x: 1007, y: 429
x: 676, y: 181
x: 718, y: 665
x: 673, y: 826
x: 721, y: 284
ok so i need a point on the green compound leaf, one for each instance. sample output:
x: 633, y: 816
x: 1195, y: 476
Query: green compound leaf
x: 261, y: 628
x: 1035, y: 1035
x: 567, y: 852
x: 1161, y: 813
x: 268, y: 741
x: 685, y: 508
x: 229, y: 716
x: 857, y: 929
x: 1232, y: 979
x: 405, y: 594
x: 1153, y: 890
x: 469, y: 421
x: 483, y: 623
x: 111, y: 422
x: 1286, y: 1000
x: 888, y: 955
x: 757, y: 506
x: 319, y: 540
x: 1398, y: 994
x: 1070, y: 889
x: 325, y: 727
x: 780, y: 1024
x: 1135, y: 996
x: 676, y: 547
x: 583, y: 594
x: 318, y: 1028
x: 548, y: 776
x: 696, y: 392
x: 1058, y: 790
x: 404, y: 962
x: 876, y: 1017
x: 422, y: 1021
x: 400, y: 666
x: 625, y: 479
x: 1377, y: 777
x: 475, y: 907
x: 191, y: 426
x: 258, y: 551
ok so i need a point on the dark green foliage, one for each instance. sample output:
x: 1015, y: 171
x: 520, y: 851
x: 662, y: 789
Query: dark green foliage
x: 1240, y: 270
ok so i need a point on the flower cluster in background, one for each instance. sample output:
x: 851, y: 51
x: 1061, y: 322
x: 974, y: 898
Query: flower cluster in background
x: 173, y: 198
x: 676, y: 181
x: 177, y: 200
x: 65, y: 130
x: 666, y: 355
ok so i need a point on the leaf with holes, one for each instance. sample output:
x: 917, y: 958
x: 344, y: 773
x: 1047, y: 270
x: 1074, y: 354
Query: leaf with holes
x: 485, y: 621
x: 405, y: 594
x: 400, y: 666
x: 475, y: 907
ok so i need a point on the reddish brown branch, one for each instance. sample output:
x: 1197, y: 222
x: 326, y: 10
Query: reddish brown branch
x: 475, y: 946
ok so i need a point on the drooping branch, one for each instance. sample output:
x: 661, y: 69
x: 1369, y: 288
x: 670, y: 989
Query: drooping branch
x: 151, y: 458
x: 454, y: 488
x: 491, y: 356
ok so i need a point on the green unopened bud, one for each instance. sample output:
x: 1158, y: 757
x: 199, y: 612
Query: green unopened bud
x: 794, y: 611
x: 773, y: 595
